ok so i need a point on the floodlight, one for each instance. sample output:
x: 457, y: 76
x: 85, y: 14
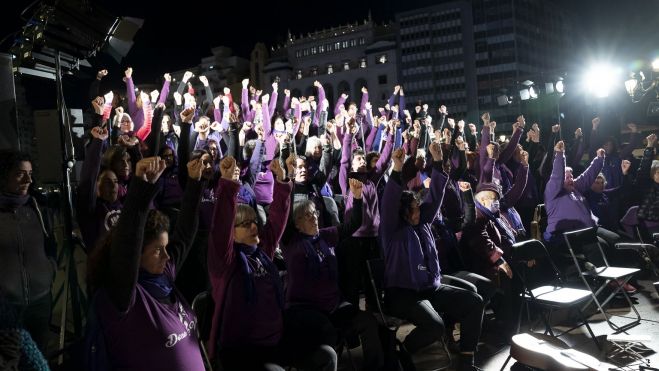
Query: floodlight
x: 600, y: 79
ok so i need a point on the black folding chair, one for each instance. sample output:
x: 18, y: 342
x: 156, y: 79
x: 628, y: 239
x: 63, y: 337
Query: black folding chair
x: 525, y: 258
x: 603, y: 275
x: 203, y: 306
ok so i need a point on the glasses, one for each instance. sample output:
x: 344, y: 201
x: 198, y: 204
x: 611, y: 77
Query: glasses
x: 312, y: 214
x: 246, y: 223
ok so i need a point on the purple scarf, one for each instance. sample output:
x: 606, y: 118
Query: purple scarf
x: 317, y: 251
x: 255, y: 263
x: 12, y: 202
x: 157, y: 285
x: 501, y: 225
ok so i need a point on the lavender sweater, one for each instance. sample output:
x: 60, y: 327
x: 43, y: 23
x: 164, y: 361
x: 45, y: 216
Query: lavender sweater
x: 567, y: 211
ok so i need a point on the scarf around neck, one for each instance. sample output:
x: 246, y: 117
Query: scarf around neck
x: 318, y: 251
x: 158, y: 285
x: 9, y: 201
x: 261, y: 265
x: 502, y: 226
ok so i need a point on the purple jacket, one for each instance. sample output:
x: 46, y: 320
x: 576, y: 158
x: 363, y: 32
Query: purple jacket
x: 318, y: 289
x: 410, y: 255
x: 95, y: 215
x: 371, y: 217
x: 567, y: 211
x: 223, y: 266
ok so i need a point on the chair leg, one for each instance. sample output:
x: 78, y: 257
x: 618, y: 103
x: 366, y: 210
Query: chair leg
x: 505, y: 363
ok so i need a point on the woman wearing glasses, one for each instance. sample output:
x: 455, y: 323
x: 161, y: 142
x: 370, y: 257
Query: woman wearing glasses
x: 248, y: 323
x: 313, y: 298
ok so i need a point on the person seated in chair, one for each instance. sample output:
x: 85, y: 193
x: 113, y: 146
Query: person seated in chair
x: 313, y: 293
x: 413, y: 288
x: 567, y: 210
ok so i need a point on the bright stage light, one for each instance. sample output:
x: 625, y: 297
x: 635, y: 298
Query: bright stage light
x: 655, y: 65
x: 600, y: 79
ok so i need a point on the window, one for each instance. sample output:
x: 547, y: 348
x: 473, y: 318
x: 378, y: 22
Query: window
x: 362, y: 63
x: 314, y: 71
x: 362, y: 41
x: 353, y: 42
x: 321, y: 49
x: 298, y: 53
x: 298, y: 74
x: 344, y: 44
x: 314, y: 50
x: 382, y: 59
x: 382, y: 79
x: 330, y: 69
x: 346, y: 66
x: 337, y: 45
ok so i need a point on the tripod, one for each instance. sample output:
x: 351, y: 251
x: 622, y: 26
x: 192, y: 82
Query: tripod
x: 70, y: 288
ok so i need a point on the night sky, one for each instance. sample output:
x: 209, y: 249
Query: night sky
x: 174, y: 37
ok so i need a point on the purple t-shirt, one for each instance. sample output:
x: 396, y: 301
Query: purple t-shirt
x: 151, y: 335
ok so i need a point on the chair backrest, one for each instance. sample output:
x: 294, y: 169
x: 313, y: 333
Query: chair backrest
x: 539, y: 223
x: 203, y: 306
x: 376, y: 275
x: 525, y: 251
x: 578, y: 240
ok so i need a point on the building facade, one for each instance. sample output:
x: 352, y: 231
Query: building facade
x: 344, y: 59
x: 468, y: 54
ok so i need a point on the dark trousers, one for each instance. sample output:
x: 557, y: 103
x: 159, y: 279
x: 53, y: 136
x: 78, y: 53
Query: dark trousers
x: 302, y: 346
x: 255, y: 358
x: 352, y: 255
x: 315, y: 327
x: 35, y: 318
x: 423, y: 310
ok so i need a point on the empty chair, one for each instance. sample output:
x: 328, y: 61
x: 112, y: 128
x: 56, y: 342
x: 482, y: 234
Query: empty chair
x: 525, y: 258
x: 585, y: 242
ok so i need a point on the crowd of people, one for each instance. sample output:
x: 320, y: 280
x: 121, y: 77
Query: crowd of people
x: 274, y: 205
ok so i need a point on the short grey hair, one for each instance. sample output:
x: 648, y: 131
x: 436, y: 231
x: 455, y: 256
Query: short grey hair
x: 300, y: 208
x: 244, y: 213
x: 312, y: 143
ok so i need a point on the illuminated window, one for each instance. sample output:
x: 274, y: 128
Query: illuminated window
x: 362, y: 63
x: 382, y: 59
x: 330, y: 69
x: 346, y: 66
x: 298, y: 74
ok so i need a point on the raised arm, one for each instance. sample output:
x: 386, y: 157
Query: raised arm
x: 341, y: 101
x: 153, y: 138
x: 183, y: 151
x: 383, y: 162
x: 271, y: 233
x: 273, y: 99
x: 433, y: 200
x: 244, y: 99
x: 127, y: 241
x: 164, y: 92
x: 321, y: 99
x: 583, y: 182
x: 507, y: 152
x: 220, y: 238
x: 130, y: 92
x: 86, y: 200
x: 148, y: 113
x: 390, y: 220
x: 555, y: 183
x: 344, y: 165
x: 188, y: 219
